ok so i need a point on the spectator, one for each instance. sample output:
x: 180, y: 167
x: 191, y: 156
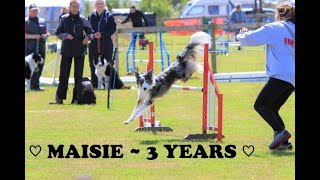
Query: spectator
x: 138, y: 20
x: 36, y: 33
x: 237, y: 16
x: 64, y: 10
x: 74, y: 31
x: 279, y: 37
x: 103, y: 25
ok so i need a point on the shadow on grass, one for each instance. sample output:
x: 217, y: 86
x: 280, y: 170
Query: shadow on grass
x: 149, y: 142
x: 282, y: 153
x: 274, y: 153
x: 152, y: 142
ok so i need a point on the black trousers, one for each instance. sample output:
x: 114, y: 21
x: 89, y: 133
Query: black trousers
x: 107, y: 51
x: 65, y: 68
x: 270, y: 99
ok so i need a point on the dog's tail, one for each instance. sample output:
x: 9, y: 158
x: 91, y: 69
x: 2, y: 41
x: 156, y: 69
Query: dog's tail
x: 200, y: 39
x: 195, y: 50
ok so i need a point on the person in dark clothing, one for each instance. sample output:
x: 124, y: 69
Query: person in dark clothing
x: 36, y: 33
x: 64, y: 10
x: 75, y: 32
x: 137, y: 17
x: 138, y: 20
x: 103, y: 25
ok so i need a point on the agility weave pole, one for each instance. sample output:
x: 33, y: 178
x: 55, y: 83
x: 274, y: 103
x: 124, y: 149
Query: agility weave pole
x: 207, y: 110
x: 147, y: 121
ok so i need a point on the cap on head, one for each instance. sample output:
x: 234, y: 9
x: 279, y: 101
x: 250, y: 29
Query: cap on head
x: 33, y: 7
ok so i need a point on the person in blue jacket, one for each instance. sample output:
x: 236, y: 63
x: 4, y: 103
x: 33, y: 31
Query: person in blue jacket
x: 237, y: 16
x: 103, y: 25
x: 279, y: 37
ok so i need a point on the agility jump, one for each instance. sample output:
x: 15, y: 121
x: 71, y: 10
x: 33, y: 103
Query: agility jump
x: 148, y: 120
x: 209, y: 104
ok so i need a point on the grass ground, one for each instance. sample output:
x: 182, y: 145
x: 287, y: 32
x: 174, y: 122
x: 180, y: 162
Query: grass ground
x: 181, y: 110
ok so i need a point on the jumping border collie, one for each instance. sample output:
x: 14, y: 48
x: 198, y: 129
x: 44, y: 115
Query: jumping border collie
x: 31, y: 63
x: 151, y: 87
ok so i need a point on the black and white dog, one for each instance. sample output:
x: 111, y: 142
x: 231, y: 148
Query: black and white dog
x: 85, y: 92
x: 31, y: 63
x: 106, y: 76
x: 101, y: 65
x: 151, y: 87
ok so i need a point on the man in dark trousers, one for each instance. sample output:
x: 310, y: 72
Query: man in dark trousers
x: 75, y: 32
x: 36, y: 33
x: 103, y: 25
x: 138, y: 20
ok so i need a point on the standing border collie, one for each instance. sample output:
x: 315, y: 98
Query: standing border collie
x: 31, y: 63
x: 105, y: 74
x: 101, y: 67
x: 151, y: 87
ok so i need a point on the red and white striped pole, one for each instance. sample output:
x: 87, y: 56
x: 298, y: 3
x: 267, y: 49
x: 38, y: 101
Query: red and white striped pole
x: 205, y: 90
x: 149, y: 67
x: 152, y: 108
x: 220, y: 104
x: 209, y: 78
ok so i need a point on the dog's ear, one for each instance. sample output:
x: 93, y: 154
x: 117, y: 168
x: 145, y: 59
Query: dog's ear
x: 149, y: 73
x: 36, y: 56
x: 137, y: 74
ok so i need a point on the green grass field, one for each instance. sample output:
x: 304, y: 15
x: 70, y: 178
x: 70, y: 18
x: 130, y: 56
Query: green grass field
x: 181, y: 110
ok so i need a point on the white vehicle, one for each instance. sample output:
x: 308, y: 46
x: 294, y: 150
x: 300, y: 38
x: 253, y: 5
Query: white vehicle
x: 269, y: 12
x: 120, y: 11
x: 212, y: 8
